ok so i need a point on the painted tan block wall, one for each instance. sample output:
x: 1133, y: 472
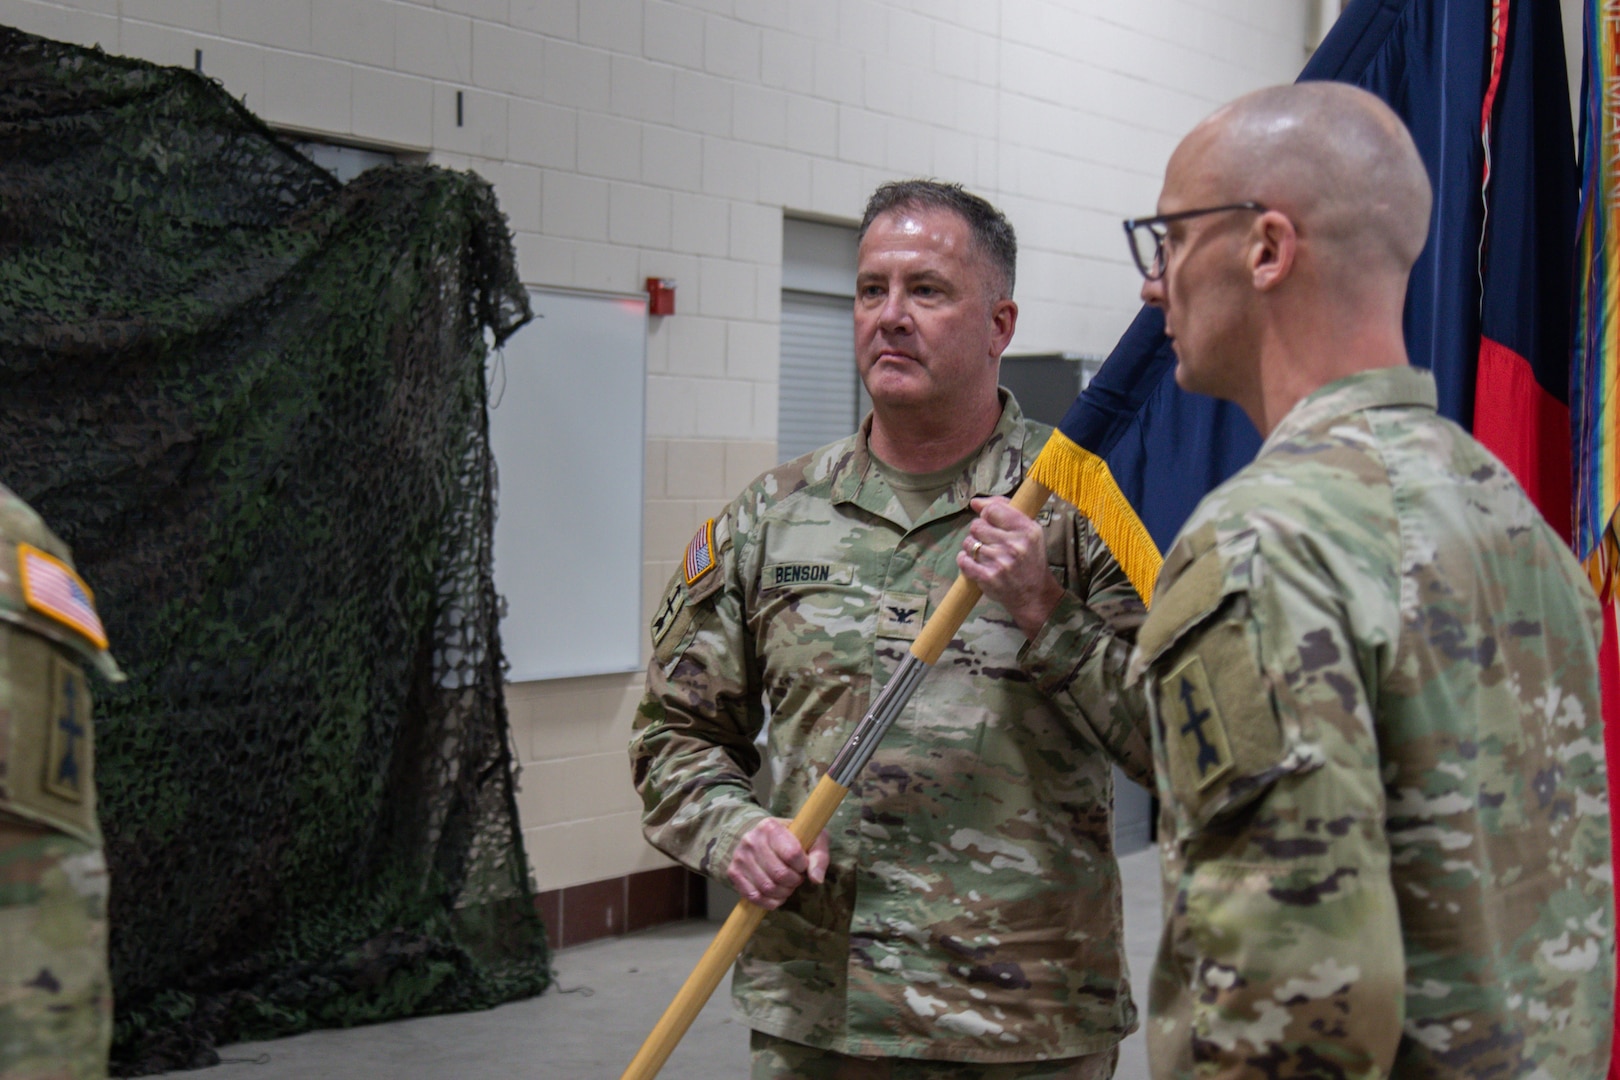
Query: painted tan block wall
x: 581, y: 816
x: 636, y: 138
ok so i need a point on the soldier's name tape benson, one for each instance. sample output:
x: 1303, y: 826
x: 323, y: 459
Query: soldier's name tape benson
x: 777, y: 575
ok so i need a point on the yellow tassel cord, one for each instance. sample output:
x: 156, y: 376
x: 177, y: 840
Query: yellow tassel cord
x: 1602, y: 564
x: 1082, y: 478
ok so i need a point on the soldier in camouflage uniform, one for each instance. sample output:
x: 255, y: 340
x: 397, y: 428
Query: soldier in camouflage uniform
x: 55, y: 994
x: 1371, y: 665
x: 962, y: 914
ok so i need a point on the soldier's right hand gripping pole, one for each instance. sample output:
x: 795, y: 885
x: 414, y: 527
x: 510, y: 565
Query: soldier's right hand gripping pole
x: 818, y: 809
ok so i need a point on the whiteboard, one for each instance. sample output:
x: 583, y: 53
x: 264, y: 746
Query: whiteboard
x: 567, y: 426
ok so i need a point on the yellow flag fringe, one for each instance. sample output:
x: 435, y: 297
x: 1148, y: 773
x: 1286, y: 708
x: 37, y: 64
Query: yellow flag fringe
x: 1082, y: 478
x: 1602, y: 564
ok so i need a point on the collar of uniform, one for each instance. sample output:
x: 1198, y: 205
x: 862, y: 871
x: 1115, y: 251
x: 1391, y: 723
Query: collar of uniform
x: 1375, y: 389
x: 996, y: 470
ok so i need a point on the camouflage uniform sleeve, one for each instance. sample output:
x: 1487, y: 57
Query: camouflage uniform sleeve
x: 1282, y: 952
x: 693, y: 754
x: 1080, y: 656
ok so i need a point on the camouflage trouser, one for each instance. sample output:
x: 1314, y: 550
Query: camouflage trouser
x: 55, y: 995
x: 779, y: 1059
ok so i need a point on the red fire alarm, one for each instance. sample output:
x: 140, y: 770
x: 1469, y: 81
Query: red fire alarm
x: 660, y: 296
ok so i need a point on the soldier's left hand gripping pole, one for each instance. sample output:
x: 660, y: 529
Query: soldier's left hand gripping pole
x: 819, y: 807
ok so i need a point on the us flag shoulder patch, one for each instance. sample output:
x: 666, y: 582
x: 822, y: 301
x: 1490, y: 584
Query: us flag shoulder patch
x: 700, y: 553
x: 51, y: 588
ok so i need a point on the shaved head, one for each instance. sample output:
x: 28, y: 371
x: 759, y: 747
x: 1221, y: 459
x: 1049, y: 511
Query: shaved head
x: 1334, y: 158
x: 1291, y: 221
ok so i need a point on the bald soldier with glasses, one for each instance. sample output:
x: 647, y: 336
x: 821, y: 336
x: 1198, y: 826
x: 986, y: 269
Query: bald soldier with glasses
x: 1370, y: 665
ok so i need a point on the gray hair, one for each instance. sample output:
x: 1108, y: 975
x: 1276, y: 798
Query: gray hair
x: 992, y: 232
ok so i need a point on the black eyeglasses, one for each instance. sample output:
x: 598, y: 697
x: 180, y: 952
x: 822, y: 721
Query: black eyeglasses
x: 1146, y: 235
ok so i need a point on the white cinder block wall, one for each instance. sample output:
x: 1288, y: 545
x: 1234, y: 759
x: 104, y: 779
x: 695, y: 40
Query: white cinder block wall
x: 637, y: 138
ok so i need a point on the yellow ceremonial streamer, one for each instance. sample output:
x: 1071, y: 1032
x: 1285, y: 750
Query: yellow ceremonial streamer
x: 1602, y: 564
x: 1082, y: 478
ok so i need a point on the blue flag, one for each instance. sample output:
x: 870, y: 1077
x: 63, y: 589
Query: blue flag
x: 1432, y: 62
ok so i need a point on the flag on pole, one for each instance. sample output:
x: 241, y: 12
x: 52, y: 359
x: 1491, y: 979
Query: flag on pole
x: 1595, y: 363
x: 1530, y: 192
x: 1159, y: 449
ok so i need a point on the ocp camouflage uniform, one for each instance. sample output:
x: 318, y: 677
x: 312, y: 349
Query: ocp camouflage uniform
x: 971, y: 911
x: 55, y: 995
x: 1385, y: 836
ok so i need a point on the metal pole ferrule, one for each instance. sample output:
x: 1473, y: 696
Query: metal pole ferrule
x: 874, y: 725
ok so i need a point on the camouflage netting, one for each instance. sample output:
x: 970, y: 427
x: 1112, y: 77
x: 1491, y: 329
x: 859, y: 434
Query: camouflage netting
x: 253, y: 402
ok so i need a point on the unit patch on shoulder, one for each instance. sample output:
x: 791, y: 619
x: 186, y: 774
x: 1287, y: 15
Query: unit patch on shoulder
x: 51, y: 588
x: 67, y: 758
x: 669, y: 610
x: 1193, y: 725
x: 700, y: 554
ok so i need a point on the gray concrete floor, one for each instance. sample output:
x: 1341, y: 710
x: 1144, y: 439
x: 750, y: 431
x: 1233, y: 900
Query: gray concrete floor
x: 607, y: 996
